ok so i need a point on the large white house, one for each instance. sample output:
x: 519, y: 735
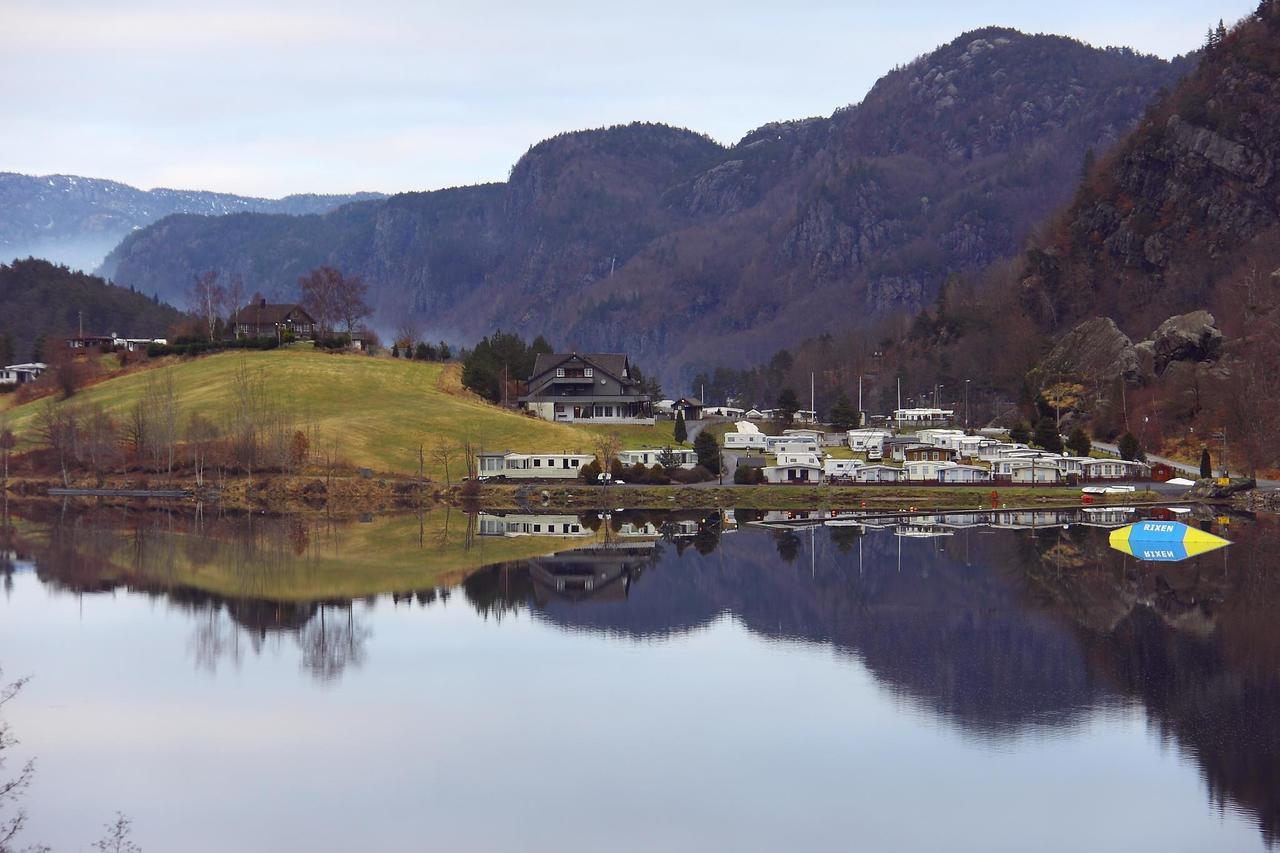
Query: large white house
x: 919, y: 417
x: 1112, y: 469
x: 532, y: 466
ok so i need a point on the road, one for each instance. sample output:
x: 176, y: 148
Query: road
x: 1192, y: 471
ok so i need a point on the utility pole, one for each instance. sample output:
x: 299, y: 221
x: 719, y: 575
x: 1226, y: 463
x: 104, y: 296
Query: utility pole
x: 859, y: 399
x: 899, y: 392
x: 81, y: 313
x: 967, y: 425
x: 813, y: 400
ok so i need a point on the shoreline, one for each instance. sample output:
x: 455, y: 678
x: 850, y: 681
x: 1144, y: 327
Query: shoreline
x: 356, y: 495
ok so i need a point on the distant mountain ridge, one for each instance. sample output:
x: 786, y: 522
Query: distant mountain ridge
x: 686, y: 253
x: 76, y: 221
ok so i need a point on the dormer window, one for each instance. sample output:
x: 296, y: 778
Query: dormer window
x: 559, y: 373
x: 586, y: 371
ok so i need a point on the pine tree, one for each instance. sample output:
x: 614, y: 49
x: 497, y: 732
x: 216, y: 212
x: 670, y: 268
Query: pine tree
x: 1079, y: 442
x: 843, y: 414
x: 1020, y: 433
x: 708, y: 450
x: 1130, y: 449
x: 681, y: 433
x: 1047, y: 435
x: 395, y: 351
x: 788, y: 404
x: 1206, y: 464
x: 1221, y: 35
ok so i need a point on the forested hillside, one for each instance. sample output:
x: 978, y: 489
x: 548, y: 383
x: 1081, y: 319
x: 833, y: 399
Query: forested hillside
x: 684, y: 253
x: 41, y: 299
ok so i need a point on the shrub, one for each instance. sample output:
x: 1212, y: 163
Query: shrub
x: 590, y: 472
x: 658, y: 476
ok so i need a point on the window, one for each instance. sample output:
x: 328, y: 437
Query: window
x: 537, y: 463
x: 587, y: 372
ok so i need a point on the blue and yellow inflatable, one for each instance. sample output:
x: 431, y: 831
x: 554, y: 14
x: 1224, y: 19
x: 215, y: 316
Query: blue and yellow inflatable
x: 1164, y: 541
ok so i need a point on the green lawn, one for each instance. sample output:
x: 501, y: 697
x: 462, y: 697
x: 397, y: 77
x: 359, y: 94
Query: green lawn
x: 661, y: 434
x: 377, y: 410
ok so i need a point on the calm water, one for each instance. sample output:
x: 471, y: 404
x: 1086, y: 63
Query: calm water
x: 415, y: 683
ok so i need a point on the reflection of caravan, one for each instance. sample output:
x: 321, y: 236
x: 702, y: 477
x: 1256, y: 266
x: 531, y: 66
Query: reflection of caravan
x: 530, y: 525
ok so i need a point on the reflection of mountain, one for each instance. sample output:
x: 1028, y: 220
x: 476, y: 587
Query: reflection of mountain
x: 995, y: 631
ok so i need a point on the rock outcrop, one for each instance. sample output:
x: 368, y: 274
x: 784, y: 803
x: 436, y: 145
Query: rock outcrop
x: 1186, y: 337
x: 1095, y: 351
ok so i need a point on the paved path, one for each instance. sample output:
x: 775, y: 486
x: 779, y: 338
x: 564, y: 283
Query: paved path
x: 1192, y: 471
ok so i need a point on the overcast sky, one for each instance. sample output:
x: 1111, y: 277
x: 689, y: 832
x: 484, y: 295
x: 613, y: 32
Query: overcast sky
x: 268, y: 98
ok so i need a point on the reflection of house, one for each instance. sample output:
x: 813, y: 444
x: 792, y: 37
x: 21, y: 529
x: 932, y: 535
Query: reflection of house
x: 1107, y: 516
x: 530, y: 524
x: 531, y: 466
x: 263, y: 320
x: 21, y: 374
x: 599, y: 573
x: 590, y: 387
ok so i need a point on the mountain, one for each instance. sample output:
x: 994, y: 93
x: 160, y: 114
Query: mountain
x: 1188, y: 203
x: 687, y: 253
x: 77, y: 221
x: 41, y: 299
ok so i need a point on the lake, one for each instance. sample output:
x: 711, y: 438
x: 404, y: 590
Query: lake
x: 690, y: 681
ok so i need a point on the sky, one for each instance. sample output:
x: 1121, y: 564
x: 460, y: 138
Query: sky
x: 269, y: 98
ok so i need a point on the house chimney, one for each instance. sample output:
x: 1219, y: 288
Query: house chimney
x: 262, y: 303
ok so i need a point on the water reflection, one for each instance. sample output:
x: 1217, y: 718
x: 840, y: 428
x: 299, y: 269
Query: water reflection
x: 1000, y: 626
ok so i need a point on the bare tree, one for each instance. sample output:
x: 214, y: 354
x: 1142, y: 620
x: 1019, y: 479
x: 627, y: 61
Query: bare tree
x: 201, y: 433
x: 443, y: 453
x: 11, y: 790
x: 160, y: 399
x: 320, y: 296
x: 8, y: 441
x: 351, y: 306
x: 206, y: 300
x: 117, y: 839
x: 607, y: 446
x: 57, y: 427
x: 100, y: 446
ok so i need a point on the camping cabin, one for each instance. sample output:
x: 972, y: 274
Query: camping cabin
x: 532, y: 466
x: 793, y: 474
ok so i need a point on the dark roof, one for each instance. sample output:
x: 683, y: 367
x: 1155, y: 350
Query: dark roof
x: 612, y: 363
x: 265, y: 314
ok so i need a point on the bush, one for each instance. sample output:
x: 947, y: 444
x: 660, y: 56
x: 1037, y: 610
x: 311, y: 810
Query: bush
x: 590, y: 472
x: 684, y: 476
x: 637, y: 473
x: 470, y: 489
x: 658, y: 476
x: 616, y: 471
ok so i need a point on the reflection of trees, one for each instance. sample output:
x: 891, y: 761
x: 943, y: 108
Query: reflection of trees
x: 788, y: 545
x: 332, y: 641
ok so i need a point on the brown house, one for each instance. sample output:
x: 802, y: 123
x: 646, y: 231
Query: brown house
x: 263, y: 320
x: 928, y: 453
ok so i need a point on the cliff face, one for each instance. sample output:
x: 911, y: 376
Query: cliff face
x: 685, y: 253
x: 1188, y: 198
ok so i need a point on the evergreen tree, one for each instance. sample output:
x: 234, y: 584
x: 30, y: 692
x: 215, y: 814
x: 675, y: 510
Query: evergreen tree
x: 6, y: 349
x: 788, y: 405
x: 681, y: 433
x: 1020, y: 433
x: 1221, y: 34
x: 395, y: 351
x: 708, y: 451
x: 1047, y: 435
x: 1206, y: 464
x: 1130, y: 449
x: 1079, y: 442
x: 844, y: 416
x: 444, y: 351
x: 424, y: 352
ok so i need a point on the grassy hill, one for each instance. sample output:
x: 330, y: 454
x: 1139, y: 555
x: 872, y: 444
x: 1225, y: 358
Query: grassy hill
x: 378, y: 410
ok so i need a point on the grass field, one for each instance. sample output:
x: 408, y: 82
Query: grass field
x: 377, y: 410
